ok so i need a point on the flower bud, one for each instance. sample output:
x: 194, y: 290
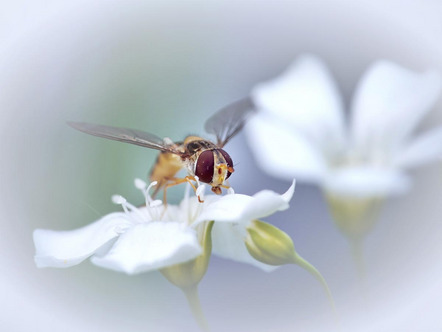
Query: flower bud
x: 187, y: 275
x: 270, y: 245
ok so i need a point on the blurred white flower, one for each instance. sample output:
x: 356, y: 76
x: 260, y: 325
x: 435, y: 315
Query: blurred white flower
x: 301, y: 130
x: 154, y: 236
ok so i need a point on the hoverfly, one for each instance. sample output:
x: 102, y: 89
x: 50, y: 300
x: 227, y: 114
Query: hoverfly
x: 204, y: 160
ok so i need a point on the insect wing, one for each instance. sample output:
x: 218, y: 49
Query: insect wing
x: 229, y: 120
x: 125, y: 135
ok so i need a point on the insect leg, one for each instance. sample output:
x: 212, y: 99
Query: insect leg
x: 176, y: 181
x: 173, y: 182
x: 189, y: 181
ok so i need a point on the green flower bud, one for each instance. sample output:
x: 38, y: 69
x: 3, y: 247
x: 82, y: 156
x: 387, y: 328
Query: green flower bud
x: 268, y: 244
x: 187, y: 275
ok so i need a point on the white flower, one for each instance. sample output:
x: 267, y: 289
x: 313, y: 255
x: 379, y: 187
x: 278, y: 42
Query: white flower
x: 154, y: 236
x: 301, y: 130
x: 233, y: 213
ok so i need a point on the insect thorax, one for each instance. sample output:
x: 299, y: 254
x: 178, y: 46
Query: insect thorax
x: 194, y: 144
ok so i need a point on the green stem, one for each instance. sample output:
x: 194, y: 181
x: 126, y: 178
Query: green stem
x: 193, y: 299
x: 298, y: 260
x: 357, y: 251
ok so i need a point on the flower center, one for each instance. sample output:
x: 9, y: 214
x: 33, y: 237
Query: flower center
x: 352, y: 158
x: 153, y: 207
x: 131, y: 211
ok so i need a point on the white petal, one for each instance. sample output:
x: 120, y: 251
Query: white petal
x: 306, y: 98
x: 283, y: 152
x: 68, y: 248
x: 366, y: 182
x: 151, y: 246
x: 242, y: 208
x: 228, y: 242
x: 227, y: 208
x: 388, y: 104
x: 267, y: 202
x: 424, y: 149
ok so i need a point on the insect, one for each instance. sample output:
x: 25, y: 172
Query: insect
x: 202, y: 159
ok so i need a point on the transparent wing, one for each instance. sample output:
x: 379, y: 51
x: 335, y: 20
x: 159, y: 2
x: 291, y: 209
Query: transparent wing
x: 229, y: 120
x: 125, y: 135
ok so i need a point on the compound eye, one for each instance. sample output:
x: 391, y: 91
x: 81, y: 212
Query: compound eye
x: 204, y: 166
x: 228, y: 161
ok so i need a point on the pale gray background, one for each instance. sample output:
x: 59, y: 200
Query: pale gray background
x: 165, y: 67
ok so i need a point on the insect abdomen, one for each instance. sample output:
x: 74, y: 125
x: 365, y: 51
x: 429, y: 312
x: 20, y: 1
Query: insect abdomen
x: 165, y: 168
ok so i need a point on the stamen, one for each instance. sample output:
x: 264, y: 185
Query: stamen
x: 200, y: 195
x: 155, y: 203
x: 186, y: 200
x: 154, y: 183
x: 140, y: 184
x: 187, y: 191
x: 149, y: 199
x: 128, y: 208
x: 197, y: 179
x: 200, y: 190
x: 118, y: 199
x: 136, y: 214
x: 151, y: 204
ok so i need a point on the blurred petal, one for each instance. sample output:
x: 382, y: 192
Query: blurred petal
x: 422, y: 150
x: 283, y: 152
x: 68, y: 248
x: 366, y: 182
x: 306, y: 98
x: 228, y: 242
x: 242, y: 208
x: 151, y: 246
x: 388, y: 104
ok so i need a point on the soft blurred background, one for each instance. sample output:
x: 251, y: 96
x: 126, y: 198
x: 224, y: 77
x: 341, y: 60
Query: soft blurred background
x: 165, y: 67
